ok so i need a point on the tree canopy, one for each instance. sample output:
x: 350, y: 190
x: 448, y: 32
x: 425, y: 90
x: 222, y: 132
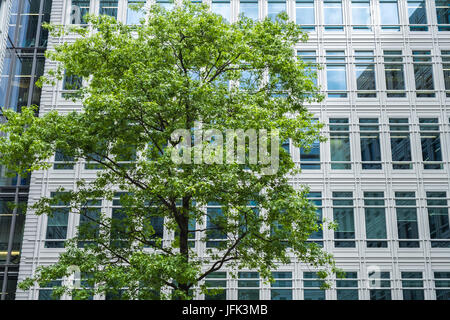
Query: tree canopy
x: 188, y: 69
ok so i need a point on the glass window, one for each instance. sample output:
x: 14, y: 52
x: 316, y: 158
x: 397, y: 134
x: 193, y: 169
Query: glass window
x: 88, y: 229
x: 57, y: 224
x: 78, y: 10
x: 304, y: 14
x: 417, y: 13
x: 431, y: 143
x: 222, y: 7
x: 370, y: 144
x: 344, y: 235
x: 316, y: 199
x: 340, y: 144
x: 445, y: 54
x: 312, y: 291
x: 438, y: 220
x: 214, y: 233
x: 135, y: 11
x: 412, y: 285
x: 423, y: 74
x: 310, y: 59
x: 380, y: 284
x: 119, y: 223
x: 347, y: 288
x: 216, y: 280
x: 443, y: 14
x: 332, y: 15
x: 109, y: 7
x: 389, y: 15
x: 275, y: 7
x: 248, y: 286
x: 336, y: 74
x: 393, y: 72
x: 46, y: 292
x: 7, y: 206
x: 375, y: 216
x: 365, y: 74
x: 166, y: 4
x: 442, y: 285
x: 310, y: 157
x: 71, y: 83
x: 407, y: 227
x: 400, y: 143
x: 361, y: 15
x: 281, y: 288
x: 249, y: 8
x: 63, y: 162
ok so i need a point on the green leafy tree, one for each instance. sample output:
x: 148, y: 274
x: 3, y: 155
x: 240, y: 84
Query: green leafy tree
x: 178, y: 69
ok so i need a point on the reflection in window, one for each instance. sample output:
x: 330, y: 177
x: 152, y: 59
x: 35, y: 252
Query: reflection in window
x: 222, y: 7
x: 423, y: 74
x: 406, y: 210
x: 336, y: 74
x: 417, y: 13
x: 310, y: 159
x: 332, y: 12
x: 134, y: 15
x: 375, y: 217
x: 248, y: 286
x: 304, y: 14
x: 393, y: 72
x: 78, y: 10
x: 400, y: 143
x: 249, y: 8
x: 361, y: 15
x: 412, y: 284
x: 340, y: 144
x: 344, y: 235
x: 281, y: 288
x: 430, y: 143
x: 389, y: 15
x: 275, y: 7
x: 365, y: 74
x: 443, y: 14
x: 370, y: 143
x: 347, y: 287
x: 438, y: 220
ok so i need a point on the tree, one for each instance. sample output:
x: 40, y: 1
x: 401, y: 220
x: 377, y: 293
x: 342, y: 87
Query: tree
x: 179, y: 70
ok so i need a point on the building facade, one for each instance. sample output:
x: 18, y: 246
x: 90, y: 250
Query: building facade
x: 383, y: 174
x: 22, y: 47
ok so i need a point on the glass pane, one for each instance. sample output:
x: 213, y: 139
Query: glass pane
x: 304, y: 14
x: 78, y: 10
x: 222, y: 8
x: 249, y: 9
x: 134, y: 16
x: 389, y: 14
